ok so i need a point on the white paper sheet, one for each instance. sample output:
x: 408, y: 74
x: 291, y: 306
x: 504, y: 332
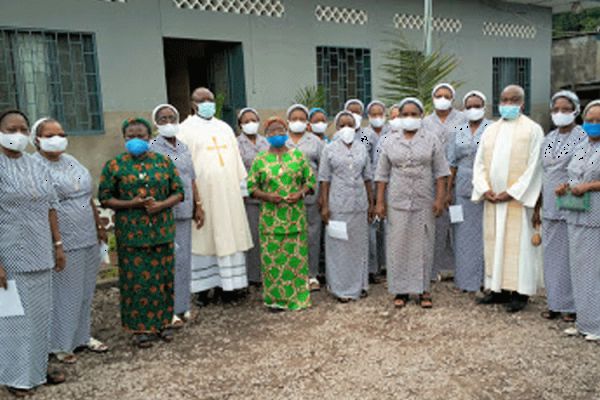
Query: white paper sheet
x: 456, y: 214
x: 10, y: 302
x: 337, y: 230
x: 104, y: 253
x: 244, y: 188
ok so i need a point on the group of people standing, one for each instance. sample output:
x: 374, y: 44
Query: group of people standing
x: 201, y: 210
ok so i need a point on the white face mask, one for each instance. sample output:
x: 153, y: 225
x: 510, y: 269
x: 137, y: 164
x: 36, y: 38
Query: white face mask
x: 562, y: 119
x: 377, y: 122
x: 474, y: 113
x: 357, y: 120
x: 319, y: 127
x: 54, y: 144
x: 14, y: 141
x: 396, y: 123
x: 297, y: 126
x: 347, y: 134
x: 442, y: 103
x: 250, y: 128
x: 168, y: 130
x: 410, y: 124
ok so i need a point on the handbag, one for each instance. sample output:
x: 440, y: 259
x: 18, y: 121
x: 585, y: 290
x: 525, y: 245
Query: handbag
x: 574, y: 203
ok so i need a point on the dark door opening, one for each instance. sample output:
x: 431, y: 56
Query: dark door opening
x: 218, y: 66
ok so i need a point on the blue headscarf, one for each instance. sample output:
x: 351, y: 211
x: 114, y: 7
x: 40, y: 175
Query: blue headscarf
x: 315, y: 110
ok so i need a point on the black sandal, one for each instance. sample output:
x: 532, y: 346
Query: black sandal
x: 167, y: 335
x: 20, y: 393
x: 426, y: 300
x: 400, y: 301
x: 143, y: 341
x: 569, y: 317
x: 550, y: 315
x: 55, y: 378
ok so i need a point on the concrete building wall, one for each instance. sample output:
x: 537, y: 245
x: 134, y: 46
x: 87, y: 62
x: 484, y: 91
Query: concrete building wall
x: 575, y: 60
x: 279, y: 53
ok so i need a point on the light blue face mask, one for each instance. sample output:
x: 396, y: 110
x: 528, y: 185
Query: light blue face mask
x: 207, y: 109
x: 509, y: 111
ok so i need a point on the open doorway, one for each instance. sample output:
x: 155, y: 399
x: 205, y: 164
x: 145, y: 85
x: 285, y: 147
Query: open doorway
x: 217, y: 65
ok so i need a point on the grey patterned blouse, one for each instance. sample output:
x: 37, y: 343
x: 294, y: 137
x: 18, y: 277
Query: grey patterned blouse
x: 26, y: 196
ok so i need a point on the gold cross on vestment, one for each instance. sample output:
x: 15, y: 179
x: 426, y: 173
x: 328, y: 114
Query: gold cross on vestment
x: 217, y: 148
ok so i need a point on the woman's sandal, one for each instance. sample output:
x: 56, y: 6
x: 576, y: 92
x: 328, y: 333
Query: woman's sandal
x: 569, y: 317
x: 55, y: 378
x: 399, y: 302
x: 20, y: 393
x: 177, y: 323
x: 66, y: 358
x: 96, y: 346
x: 143, y: 341
x: 186, y: 316
x: 344, y: 300
x: 426, y: 301
x: 167, y: 335
x: 550, y: 315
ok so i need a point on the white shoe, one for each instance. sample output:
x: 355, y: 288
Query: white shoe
x: 96, y: 346
x: 572, y: 331
x: 314, y: 284
x: 592, y: 338
x: 187, y: 316
x: 176, y: 322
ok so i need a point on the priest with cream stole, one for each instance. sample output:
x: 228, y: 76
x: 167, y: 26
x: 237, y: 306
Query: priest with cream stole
x: 507, y: 175
x: 218, y: 259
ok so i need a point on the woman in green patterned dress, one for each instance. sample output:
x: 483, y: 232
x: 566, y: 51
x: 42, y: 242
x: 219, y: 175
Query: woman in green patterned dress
x: 281, y: 177
x: 142, y: 187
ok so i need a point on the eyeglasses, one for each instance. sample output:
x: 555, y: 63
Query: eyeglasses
x: 165, y: 119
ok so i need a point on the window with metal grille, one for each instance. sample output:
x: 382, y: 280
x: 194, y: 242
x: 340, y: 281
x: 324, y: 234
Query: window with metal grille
x: 508, y: 71
x: 344, y: 73
x: 55, y: 74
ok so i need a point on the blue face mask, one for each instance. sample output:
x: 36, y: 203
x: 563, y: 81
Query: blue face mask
x: 277, y: 141
x: 509, y: 111
x: 207, y: 109
x: 136, y: 147
x: 592, y: 130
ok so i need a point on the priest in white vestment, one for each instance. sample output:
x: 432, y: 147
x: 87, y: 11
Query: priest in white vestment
x: 507, y: 175
x: 218, y: 259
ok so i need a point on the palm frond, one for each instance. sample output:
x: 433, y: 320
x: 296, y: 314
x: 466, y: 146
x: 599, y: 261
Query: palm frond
x: 408, y: 72
x: 311, y: 96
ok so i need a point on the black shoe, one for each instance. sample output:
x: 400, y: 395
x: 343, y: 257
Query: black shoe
x: 202, y: 299
x: 517, y: 303
x: 495, y: 298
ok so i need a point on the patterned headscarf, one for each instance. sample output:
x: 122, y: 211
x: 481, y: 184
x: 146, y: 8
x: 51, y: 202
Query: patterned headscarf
x: 135, y: 120
x: 273, y: 120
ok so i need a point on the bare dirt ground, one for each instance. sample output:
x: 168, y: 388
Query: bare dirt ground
x: 361, y: 350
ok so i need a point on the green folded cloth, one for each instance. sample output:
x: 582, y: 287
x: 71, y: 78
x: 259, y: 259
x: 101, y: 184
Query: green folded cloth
x: 573, y: 203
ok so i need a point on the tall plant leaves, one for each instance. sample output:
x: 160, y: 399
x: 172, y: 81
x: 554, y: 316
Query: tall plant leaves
x: 408, y: 72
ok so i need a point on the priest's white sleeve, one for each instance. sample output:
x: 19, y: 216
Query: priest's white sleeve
x: 529, y: 185
x: 480, y: 181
